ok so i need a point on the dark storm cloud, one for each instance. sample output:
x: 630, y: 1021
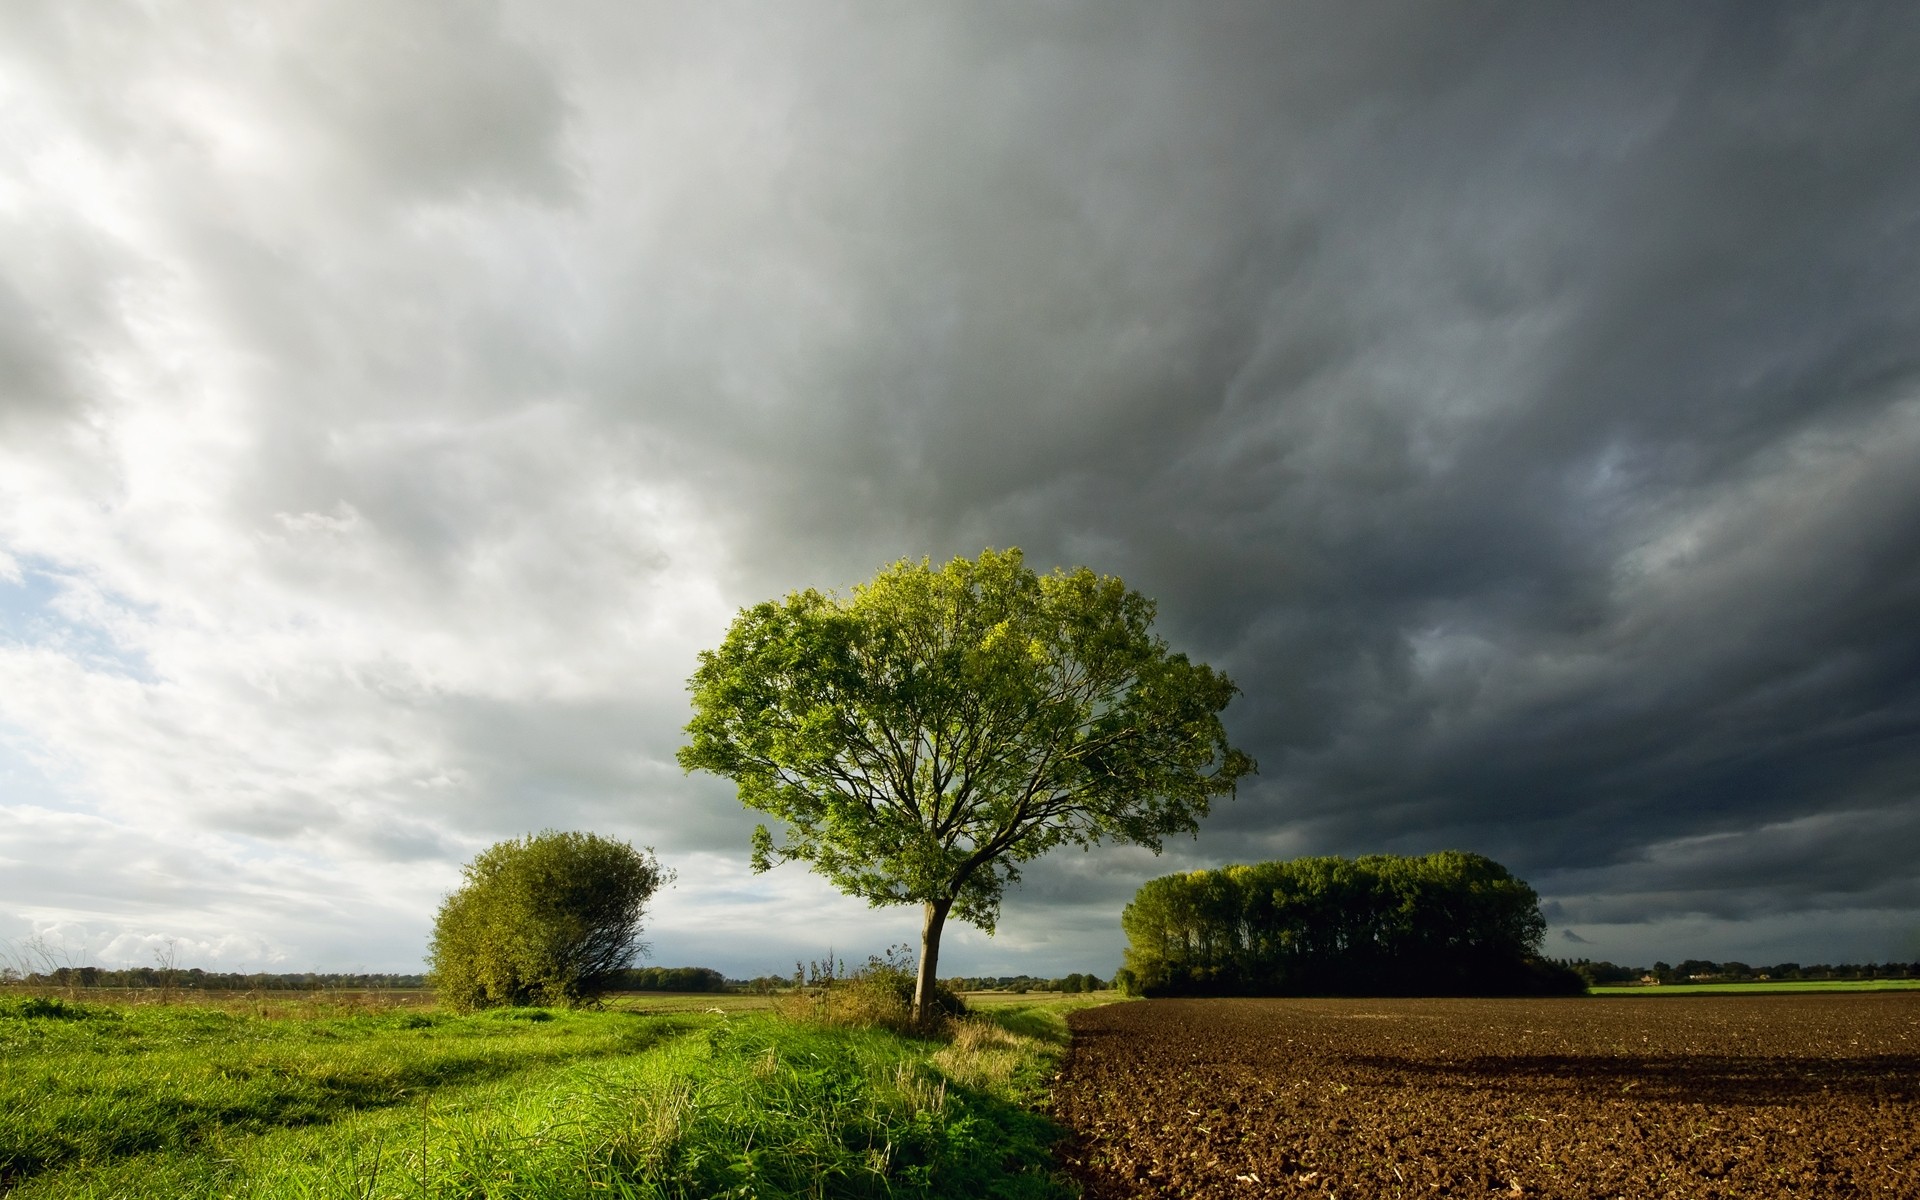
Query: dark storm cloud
x: 1520, y: 402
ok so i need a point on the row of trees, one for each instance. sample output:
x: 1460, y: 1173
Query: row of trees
x: 1076, y: 981
x: 195, y: 979
x: 1701, y: 970
x: 1448, y: 923
x: 668, y: 979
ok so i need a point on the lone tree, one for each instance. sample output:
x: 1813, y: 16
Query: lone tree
x: 546, y: 919
x: 924, y: 736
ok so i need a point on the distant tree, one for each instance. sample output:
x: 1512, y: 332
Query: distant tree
x: 548, y: 919
x: 922, y: 737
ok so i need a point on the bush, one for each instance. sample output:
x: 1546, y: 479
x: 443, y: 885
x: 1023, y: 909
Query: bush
x: 46, y: 1008
x: 880, y: 994
x: 542, y: 920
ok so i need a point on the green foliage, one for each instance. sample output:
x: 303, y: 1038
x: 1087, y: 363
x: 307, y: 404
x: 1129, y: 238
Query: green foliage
x: 1447, y: 923
x: 924, y: 736
x: 546, y: 919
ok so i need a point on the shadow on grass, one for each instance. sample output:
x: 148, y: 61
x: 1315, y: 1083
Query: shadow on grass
x: 1035, y: 1023
x: 791, y: 1110
x: 1005, y: 1152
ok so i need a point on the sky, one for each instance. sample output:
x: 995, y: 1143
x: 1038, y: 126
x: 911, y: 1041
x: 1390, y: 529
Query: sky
x: 1520, y: 402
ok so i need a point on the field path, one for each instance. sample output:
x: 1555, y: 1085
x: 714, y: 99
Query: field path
x: 1723, y: 1097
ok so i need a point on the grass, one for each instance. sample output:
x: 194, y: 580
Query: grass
x: 1760, y: 986
x: 689, y: 1002
x: 631, y: 1101
x: 1064, y: 1001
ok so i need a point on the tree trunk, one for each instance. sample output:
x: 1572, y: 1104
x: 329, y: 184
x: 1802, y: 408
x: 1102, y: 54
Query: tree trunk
x: 930, y: 927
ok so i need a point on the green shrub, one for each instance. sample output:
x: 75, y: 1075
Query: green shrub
x: 543, y: 920
x: 46, y: 1008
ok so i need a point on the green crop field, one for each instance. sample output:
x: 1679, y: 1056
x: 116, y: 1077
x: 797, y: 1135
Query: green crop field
x: 669, y: 1096
x: 1759, y: 987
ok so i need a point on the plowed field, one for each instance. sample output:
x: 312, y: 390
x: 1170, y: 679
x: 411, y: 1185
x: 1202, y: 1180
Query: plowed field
x: 1694, y: 1096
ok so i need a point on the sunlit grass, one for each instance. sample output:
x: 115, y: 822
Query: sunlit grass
x: 1759, y: 986
x: 689, y: 1002
x: 157, y: 1101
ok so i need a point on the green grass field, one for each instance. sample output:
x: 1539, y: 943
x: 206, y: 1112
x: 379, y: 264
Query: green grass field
x: 652, y: 1097
x: 1761, y: 987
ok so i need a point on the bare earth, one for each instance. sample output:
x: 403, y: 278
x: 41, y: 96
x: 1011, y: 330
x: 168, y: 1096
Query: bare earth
x: 1685, y: 1096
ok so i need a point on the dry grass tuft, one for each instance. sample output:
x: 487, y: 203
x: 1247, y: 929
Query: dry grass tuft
x: 981, y: 1054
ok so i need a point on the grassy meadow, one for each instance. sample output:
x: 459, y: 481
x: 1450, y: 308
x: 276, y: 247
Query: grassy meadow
x: 658, y: 1096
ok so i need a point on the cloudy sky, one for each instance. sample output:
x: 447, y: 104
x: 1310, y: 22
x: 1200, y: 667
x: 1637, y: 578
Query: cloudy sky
x: 1520, y: 401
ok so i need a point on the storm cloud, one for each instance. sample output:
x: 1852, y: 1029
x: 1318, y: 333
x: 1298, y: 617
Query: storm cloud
x: 1520, y: 402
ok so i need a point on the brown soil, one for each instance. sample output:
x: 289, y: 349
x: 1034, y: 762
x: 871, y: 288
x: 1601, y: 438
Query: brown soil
x: 1683, y: 1096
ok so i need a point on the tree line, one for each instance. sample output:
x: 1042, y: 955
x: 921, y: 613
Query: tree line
x: 1074, y: 981
x: 668, y: 979
x: 196, y: 979
x: 1450, y: 923
x: 1701, y: 970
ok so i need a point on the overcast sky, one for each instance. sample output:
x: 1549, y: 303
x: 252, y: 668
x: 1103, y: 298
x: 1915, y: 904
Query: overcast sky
x: 1521, y: 402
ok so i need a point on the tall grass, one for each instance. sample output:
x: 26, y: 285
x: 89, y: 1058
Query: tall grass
x: 154, y: 1101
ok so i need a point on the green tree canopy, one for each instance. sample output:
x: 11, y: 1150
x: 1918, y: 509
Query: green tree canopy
x: 1446, y: 923
x: 925, y: 735
x: 546, y: 919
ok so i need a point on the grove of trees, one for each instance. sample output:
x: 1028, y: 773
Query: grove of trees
x: 1450, y: 923
x: 922, y: 737
x: 549, y: 919
x: 668, y: 979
